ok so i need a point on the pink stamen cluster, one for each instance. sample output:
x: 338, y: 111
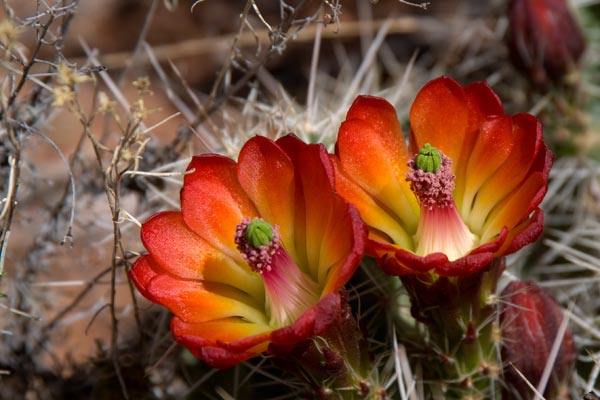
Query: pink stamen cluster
x: 434, y: 189
x: 259, y: 259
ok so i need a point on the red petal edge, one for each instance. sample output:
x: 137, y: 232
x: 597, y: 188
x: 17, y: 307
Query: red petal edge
x: 141, y: 274
x: 312, y: 323
x: 397, y: 261
x: 224, y: 355
x: 528, y: 235
x: 294, y: 148
x: 220, y: 354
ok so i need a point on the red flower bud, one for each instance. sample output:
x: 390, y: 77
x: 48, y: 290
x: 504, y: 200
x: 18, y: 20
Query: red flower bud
x: 544, y: 39
x: 530, y: 321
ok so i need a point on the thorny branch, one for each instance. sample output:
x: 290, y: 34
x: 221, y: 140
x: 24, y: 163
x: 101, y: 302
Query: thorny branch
x: 18, y: 117
x: 250, y: 65
x: 112, y: 174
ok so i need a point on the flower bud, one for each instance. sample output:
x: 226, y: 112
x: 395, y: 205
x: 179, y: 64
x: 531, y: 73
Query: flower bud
x: 543, y: 39
x: 530, y: 321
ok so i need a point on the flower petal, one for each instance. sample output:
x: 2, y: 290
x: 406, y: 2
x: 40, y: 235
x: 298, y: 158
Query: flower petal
x: 142, y: 272
x: 342, y: 248
x: 266, y: 174
x: 312, y: 323
x: 440, y: 116
x: 515, y: 208
x: 330, y: 234
x: 213, y: 203
x: 372, y: 149
x: 543, y: 161
x: 493, y: 146
x: 184, y: 254
x: 381, y: 223
x: 482, y: 104
x: 193, y: 301
x: 527, y: 143
x: 401, y: 262
x: 397, y: 261
x: 222, y: 343
x: 526, y: 232
x: 483, y: 101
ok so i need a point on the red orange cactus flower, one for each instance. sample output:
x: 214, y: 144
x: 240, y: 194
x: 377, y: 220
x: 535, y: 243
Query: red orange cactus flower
x: 255, y: 259
x: 465, y: 189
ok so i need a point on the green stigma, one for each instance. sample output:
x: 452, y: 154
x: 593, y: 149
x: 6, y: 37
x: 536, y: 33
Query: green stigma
x: 429, y: 159
x: 259, y: 233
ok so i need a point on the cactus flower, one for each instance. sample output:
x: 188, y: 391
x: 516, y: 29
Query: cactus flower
x: 463, y: 191
x: 256, y: 258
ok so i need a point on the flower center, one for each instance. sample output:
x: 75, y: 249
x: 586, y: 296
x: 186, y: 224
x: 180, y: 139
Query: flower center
x: 289, y: 292
x: 441, y: 229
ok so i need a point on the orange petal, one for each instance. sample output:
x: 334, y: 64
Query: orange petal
x: 526, y: 232
x: 142, y: 272
x: 226, y: 330
x: 266, y: 174
x: 527, y: 141
x: 399, y: 262
x: 193, y: 301
x: 330, y: 251
x: 440, y: 116
x: 342, y: 248
x: 211, y: 341
x: 493, y: 146
x: 516, y: 207
x: 184, y: 254
x: 381, y: 224
x: 482, y: 104
x: 482, y: 101
x: 313, y: 322
x: 543, y: 162
x: 372, y: 150
x: 213, y: 203
x: 403, y: 262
